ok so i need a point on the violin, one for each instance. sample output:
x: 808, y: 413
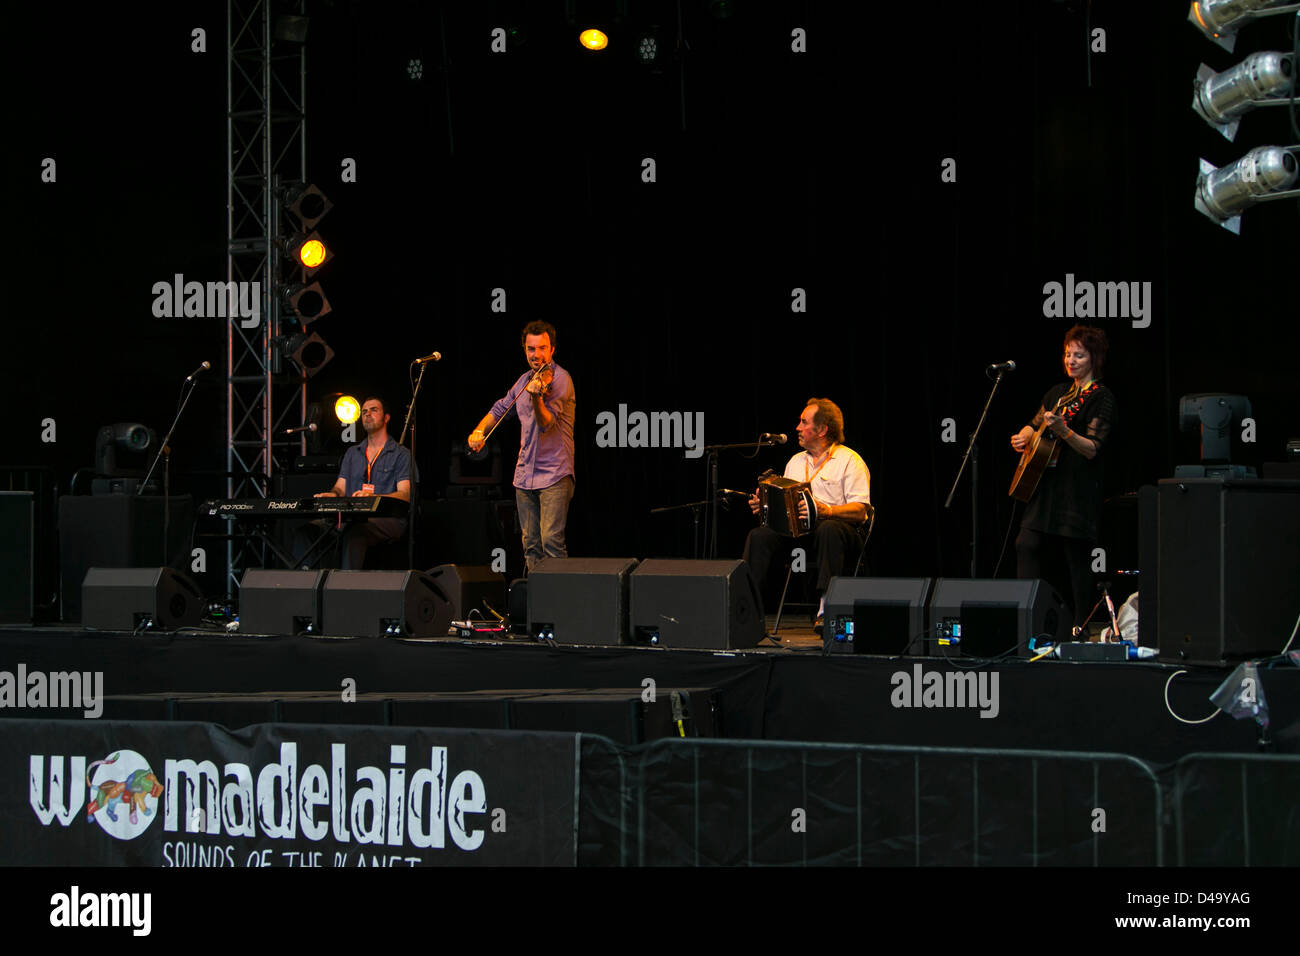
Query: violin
x: 544, y: 376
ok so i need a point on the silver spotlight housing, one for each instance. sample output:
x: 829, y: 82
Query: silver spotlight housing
x: 1221, y: 98
x: 1220, y: 20
x: 1265, y: 173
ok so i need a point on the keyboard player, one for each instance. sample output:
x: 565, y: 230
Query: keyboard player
x: 376, y: 466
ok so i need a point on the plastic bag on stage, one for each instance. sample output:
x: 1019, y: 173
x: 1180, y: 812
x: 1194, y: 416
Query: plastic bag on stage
x: 1242, y: 695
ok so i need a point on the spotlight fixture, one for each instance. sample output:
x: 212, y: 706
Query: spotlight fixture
x: 593, y: 39
x: 308, y: 203
x: 649, y: 47
x: 1215, y: 415
x: 310, y: 252
x: 415, y: 69
x: 1262, y: 79
x: 307, y: 302
x: 347, y: 409
x: 309, y: 352
x: 1263, y: 174
x: 1219, y: 20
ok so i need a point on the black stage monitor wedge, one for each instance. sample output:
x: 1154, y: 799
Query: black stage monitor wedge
x: 131, y: 599
x: 1228, y: 568
x: 280, y: 602
x: 384, y: 604
x: 994, y: 617
x: 580, y: 600
x: 706, y: 604
x: 884, y: 616
x: 471, y: 587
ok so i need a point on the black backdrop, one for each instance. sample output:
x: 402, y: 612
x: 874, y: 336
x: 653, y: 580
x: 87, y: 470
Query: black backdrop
x: 776, y: 170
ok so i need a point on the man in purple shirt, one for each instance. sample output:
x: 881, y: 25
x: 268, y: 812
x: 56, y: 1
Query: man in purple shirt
x: 543, y: 399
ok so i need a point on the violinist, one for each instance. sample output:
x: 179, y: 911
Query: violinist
x: 544, y: 401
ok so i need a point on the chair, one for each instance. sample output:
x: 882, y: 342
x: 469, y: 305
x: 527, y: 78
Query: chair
x: 864, y: 532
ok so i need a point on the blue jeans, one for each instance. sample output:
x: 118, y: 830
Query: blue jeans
x: 542, y: 515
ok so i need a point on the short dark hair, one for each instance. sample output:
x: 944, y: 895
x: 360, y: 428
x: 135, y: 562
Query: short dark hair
x: 828, y: 414
x: 1092, y: 339
x: 383, y: 405
x: 537, y: 327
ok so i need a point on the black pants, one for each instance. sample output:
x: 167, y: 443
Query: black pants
x: 832, y: 544
x: 1058, y: 561
x: 357, y: 537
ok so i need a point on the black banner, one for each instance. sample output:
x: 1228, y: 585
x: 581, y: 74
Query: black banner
x: 174, y: 794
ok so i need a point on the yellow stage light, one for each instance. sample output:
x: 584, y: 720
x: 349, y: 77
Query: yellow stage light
x: 312, y: 253
x: 593, y: 39
x: 348, y: 409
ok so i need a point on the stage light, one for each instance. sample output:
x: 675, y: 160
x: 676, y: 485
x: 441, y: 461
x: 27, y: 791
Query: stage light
x: 1221, y: 98
x: 1219, y: 20
x: 311, y: 253
x: 347, y: 409
x: 307, y: 251
x: 309, y: 352
x: 593, y: 39
x: 1265, y: 173
x: 1215, y: 416
x: 307, y: 302
x: 309, y: 204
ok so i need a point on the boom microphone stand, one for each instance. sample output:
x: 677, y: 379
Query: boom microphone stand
x: 972, y: 455
x: 164, y: 449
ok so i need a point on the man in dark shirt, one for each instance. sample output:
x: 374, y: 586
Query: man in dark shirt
x: 1059, y: 528
x: 377, y: 466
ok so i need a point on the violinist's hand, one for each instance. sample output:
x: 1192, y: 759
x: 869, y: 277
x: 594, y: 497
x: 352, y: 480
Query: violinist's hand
x: 754, y: 504
x: 475, y: 440
x: 535, y: 386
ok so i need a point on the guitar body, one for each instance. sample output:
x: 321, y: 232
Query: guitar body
x: 1039, y: 455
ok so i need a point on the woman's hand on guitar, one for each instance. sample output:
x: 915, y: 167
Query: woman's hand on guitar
x: 1056, y: 423
x: 1020, y: 440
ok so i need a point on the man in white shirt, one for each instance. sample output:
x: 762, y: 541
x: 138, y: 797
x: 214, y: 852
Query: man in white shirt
x: 841, y: 489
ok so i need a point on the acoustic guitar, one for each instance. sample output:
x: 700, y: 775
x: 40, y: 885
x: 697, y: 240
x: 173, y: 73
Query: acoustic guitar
x: 1040, y: 454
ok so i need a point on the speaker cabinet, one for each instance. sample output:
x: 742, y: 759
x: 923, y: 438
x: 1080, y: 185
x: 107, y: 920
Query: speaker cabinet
x: 706, y: 604
x: 130, y: 599
x: 1228, y: 568
x: 280, y: 602
x: 384, y: 604
x: 883, y: 616
x: 17, y: 557
x: 472, y: 586
x: 993, y: 617
x: 580, y: 600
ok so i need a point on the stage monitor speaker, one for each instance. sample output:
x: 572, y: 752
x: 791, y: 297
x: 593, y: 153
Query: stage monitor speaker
x: 133, y: 599
x: 706, y: 604
x: 384, y: 604
x: 17, y: 557
x: 884, y: 616
x: 1228, y: 568
x: 994, y: 617
x: 472, y: 587
x: 580, y: 600
x: 280, y: 602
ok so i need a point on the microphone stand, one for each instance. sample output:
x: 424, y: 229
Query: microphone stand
x: 712, y: 497
x: 415, y: 484
x: 972, y: 455
x: 165, y: 450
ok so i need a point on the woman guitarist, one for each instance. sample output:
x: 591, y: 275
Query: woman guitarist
x: 1059, y: 528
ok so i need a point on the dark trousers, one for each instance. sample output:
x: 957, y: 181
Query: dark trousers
x: 832, y: 545
x: 1059, y: 561
x: 357, y: 537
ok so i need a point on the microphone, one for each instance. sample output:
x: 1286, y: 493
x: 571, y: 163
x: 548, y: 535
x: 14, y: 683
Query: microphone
x: 311, y: 427
x: 195, y: 374
x: 1002, y: 367
x: 431, y: 357
x: 774, y: 439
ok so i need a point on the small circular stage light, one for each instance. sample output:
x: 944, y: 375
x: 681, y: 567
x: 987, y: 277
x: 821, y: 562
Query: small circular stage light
x: 593, y: 39
x: 348, y: 409
x: 312, y: 253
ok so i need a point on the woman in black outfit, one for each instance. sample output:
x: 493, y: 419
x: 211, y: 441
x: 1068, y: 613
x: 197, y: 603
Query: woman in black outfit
x: 1060, y: 523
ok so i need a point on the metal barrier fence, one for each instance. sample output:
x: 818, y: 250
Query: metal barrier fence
x: 724, y: 802
x: 1237, y: 810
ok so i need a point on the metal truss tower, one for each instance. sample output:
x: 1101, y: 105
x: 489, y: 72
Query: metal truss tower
x: 266, y: 146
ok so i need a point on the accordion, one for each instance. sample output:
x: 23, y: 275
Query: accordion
x: 779, y: 499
